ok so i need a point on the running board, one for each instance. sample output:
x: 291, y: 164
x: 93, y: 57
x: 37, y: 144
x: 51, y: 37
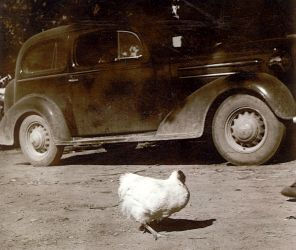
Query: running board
x: 140, y: 137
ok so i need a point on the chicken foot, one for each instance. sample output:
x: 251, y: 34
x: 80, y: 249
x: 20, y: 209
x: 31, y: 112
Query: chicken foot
x: 152, y: 231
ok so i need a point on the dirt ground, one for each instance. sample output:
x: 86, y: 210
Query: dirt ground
x: 75, y: 205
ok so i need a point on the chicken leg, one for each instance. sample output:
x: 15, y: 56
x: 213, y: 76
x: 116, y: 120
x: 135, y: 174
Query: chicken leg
x: 152, y: 231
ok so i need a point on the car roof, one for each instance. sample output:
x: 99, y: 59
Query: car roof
x: 82, y: 26
x: 64, y: 30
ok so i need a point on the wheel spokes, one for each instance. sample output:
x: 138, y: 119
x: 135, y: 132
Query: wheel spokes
x: 246, y: 129
x: 39, y: 138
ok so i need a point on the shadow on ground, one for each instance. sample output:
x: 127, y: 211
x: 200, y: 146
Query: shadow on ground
x: 171, y: 225
x: 292, y: 200
x: 184, y: 153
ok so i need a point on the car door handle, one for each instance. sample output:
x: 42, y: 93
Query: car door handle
x: 73, y: 80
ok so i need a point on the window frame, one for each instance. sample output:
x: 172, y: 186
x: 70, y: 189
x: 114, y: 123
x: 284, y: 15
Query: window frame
x: 118, y: 45
x: 104, y: 64
x: 75, y: 45
x: 55, y: 57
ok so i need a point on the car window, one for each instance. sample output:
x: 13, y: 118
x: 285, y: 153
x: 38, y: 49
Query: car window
x: 96, y: 48
x: 129, y: 45
x: 44, y: 56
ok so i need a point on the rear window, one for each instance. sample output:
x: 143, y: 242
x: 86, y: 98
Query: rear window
x: 45, y: 56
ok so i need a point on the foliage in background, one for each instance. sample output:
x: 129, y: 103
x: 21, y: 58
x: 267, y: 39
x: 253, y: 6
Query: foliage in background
x: 20, y: 19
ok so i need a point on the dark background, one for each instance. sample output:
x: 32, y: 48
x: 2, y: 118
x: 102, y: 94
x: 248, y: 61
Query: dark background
x: 240, y: 19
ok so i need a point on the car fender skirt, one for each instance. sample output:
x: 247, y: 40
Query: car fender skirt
x: 39, y: 105
x: 189, y: 117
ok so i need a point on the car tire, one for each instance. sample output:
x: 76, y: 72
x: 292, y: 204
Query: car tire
x: 37, y: 142
x: 245, y: 131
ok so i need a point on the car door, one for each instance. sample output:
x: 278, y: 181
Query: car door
x: 113, y: 85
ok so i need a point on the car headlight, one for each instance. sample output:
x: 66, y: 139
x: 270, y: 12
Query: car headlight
x: 280, y: 60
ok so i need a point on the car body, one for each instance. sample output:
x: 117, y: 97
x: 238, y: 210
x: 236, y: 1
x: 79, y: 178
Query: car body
x: 94, y: 83
x: 2, y: 91
x: 3, y: 82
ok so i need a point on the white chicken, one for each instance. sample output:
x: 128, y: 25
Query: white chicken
x: 146, y: 199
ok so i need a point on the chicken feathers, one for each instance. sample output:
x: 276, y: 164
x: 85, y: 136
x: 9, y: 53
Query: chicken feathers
x: 147, y: 199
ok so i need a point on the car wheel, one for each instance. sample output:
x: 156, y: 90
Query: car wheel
x: 245, y: 131
x: 37, y: 143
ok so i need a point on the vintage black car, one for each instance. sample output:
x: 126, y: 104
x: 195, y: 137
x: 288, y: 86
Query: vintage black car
x: 99, y: 83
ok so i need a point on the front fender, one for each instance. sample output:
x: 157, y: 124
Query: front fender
x: 33, y: 104
x: 189, y: 117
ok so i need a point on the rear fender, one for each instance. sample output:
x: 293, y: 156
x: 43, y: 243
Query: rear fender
x: 38, y: 105
x: 188, y: 119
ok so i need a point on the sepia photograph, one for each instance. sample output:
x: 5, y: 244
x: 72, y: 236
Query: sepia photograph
x: 148, y: 124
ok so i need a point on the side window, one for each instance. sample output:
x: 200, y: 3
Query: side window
x: 96, y: 48
x: 129, y: 45
x: 44, y: 56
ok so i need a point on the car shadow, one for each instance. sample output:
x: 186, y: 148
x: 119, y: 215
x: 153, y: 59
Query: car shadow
x: 171, y: 225
x: 160, y: 154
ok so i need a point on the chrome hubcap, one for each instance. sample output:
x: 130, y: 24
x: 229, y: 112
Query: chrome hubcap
x: 246, y: 130
x: 38, y: 138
